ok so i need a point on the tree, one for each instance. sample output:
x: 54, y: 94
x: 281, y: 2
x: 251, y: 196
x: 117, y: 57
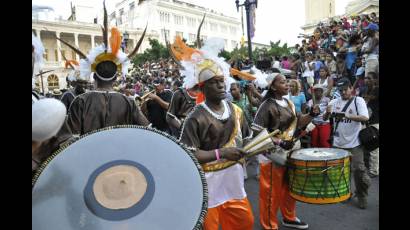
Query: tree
x: 154, y: 53
x: 225, y: 54
x: 277, y: 50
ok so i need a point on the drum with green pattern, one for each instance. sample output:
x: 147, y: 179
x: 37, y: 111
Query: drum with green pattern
x: 319, y: 175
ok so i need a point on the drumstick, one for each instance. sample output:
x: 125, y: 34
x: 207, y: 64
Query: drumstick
x: 255, y: 152
x: 261, y: 140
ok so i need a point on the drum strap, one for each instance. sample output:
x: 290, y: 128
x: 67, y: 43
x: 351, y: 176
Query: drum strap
x: 233, y: 142
x: 343, y: 110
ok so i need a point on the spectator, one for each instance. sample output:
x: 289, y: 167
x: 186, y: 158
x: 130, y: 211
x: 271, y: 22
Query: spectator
x: 158, y: 105
x: 325, y: 81
x: 351, y: 111
x: 371, y: 49
x: 285, y: 63
x: 351, y: 50
x: 321, y: 133
x: 298, y: 98
x: 372, y: 98
x: 330, y: 63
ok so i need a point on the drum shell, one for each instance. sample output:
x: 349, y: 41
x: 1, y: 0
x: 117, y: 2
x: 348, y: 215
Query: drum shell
x: 311, y: 181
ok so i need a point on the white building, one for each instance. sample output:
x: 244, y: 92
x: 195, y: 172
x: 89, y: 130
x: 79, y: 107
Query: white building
x: 175, y: 17
x: 362, y: 7
x: 315, y: 11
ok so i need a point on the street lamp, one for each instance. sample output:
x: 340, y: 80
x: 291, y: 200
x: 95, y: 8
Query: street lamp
x: 126, y: 37
x: 247, y: 5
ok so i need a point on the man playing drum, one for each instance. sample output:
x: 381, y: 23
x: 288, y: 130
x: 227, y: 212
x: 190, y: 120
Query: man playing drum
x: 274, y: 113
x: 215, y: 130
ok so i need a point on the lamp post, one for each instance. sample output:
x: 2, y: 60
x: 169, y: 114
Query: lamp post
x: 247, y: 4
x: 126, y: 37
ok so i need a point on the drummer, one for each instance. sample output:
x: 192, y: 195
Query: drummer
x: 103, y: 107
x: 215, y: 129
x: 274, y: 113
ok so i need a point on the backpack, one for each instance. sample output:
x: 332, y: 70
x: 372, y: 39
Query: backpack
x: 369, y: 136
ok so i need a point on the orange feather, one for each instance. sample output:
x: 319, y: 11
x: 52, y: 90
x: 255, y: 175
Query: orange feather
x: 115, y: 40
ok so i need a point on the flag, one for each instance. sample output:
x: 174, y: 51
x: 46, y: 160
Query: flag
x: 252, y: 19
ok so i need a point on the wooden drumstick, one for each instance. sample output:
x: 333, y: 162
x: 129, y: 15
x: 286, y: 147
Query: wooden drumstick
x: 261, y: 140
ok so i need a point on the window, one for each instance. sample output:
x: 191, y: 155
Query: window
x: 163, y: 32
x: 204, y: 25
x: 45, y: 54
x: 233, y: 44
x: 56, y: 55
x: 214, y: 26
x: 192, y: 37
x: 121, y: 11
x: 233, y: 30
x: 178, y: 20
x: 132, y: 5
x: 52, y: 81
x: 226, y: 44
x: 191, y: 21
x: 224, y: 29
x: 178, y: 33
x: 164, y: 17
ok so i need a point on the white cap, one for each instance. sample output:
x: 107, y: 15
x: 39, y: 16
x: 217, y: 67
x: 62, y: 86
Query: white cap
x: 47, y: 117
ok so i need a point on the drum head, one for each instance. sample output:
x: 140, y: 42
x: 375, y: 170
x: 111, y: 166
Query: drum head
x: 125, y: 177
x: 319, y: 154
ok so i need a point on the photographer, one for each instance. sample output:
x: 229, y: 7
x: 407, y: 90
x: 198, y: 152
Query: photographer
x: 347, y: 113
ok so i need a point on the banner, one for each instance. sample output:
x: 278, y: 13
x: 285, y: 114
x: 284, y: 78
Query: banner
x: 252, y: 18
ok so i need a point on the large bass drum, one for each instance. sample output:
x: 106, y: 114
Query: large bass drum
x: 319, y: 175
x: 124, y: 177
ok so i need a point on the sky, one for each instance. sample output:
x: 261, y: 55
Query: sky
x: 275, y: 19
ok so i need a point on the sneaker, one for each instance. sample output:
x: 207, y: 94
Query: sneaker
x: 372, y: 175
x: 298, y: 224
x: 362, y: 201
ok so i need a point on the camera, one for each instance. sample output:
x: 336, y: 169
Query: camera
x: 337, y: 116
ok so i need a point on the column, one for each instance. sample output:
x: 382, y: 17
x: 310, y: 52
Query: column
x: 76, y: 44
x: 92, y: 41
x: 58, y: 47
x: 38, y: 33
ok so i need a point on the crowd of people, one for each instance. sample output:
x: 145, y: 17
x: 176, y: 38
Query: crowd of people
x: 333, y: 84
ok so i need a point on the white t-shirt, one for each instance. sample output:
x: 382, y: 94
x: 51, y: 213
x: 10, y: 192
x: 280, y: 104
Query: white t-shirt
x: 225, y: 185
x: 347, y: 133
x: 308, y: 72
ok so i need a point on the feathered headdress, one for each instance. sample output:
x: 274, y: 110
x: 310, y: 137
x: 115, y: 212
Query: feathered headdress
x: 200, y: 65
x: 74, y: 66
x: 108, y: 52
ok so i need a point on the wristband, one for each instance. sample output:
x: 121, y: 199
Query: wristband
x: 217, y: 154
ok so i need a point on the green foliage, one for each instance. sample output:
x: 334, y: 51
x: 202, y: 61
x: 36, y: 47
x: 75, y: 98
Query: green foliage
x: 154, y: 53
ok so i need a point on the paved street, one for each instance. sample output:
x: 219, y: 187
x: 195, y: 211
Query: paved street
x: 342, y: 216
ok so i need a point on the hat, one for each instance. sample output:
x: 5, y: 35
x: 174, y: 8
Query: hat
x: 107, y: 59
x: 372, y: 26
x: 318, y: 86
x: 47, y: 117
x: 360, y: 71
x: 343, y: 82
x: 57, y: 92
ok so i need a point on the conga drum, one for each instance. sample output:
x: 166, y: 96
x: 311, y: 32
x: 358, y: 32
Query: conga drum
x: 124, y: 177
x: 319, y: 175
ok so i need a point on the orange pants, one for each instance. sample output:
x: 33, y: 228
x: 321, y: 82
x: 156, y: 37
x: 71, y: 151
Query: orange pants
x: 232, y: 215
x: 274, y: 194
